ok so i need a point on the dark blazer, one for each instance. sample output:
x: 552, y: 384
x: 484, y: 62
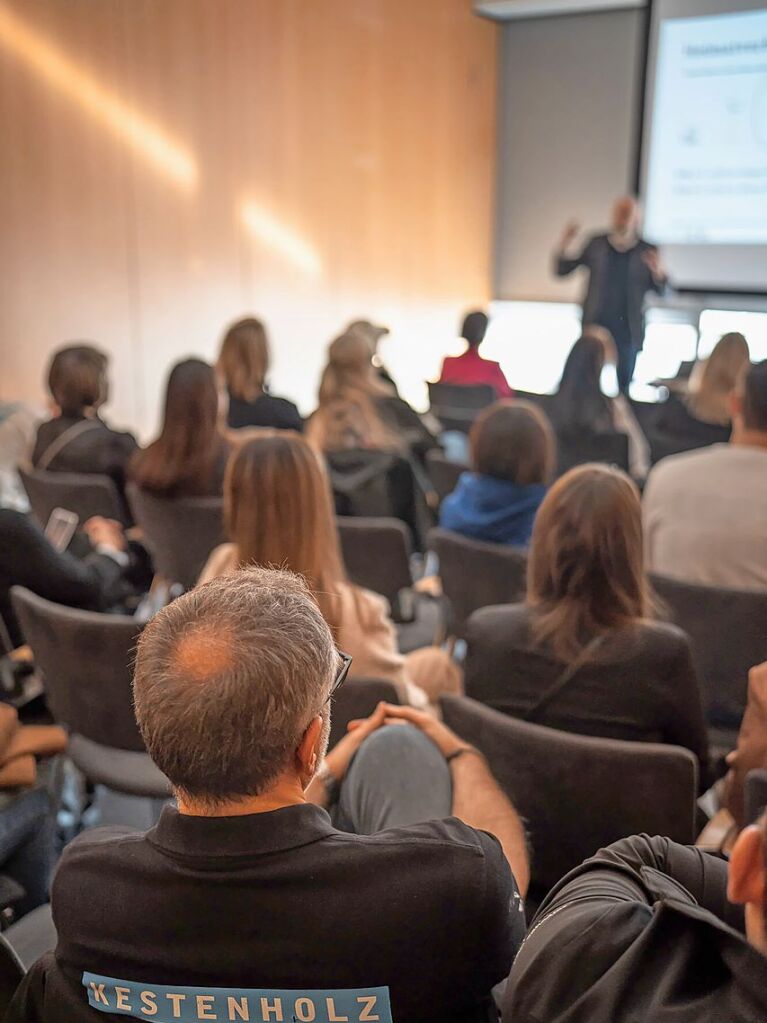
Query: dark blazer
x: 265, y: 410
x: 28, y: 559
x: 679, y: 430
x: 641, y: 931
x: 641, y: 686
x: 595, y: 257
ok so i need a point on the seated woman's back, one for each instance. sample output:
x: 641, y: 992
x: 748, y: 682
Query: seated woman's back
x: 244, y: 365
x: 512, y: 458
x: 581, y: 654
x: 189, y: 457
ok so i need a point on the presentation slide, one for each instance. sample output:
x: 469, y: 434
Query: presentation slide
x: 704, y: 172
x: 707, y: 175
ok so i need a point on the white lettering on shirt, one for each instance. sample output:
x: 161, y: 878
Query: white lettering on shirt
x: 98, y: 993
x: 275, y: 1007
x: 304, y: 1010
x: 121, y: 993
x: 330, y: 1002
x: 369, y: 1002
x: 238, y: 1005
x: 177, y: 1000
x: 204, y: 1003
x: 149, y: 1003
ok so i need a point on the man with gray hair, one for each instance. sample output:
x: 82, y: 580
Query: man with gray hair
x: 248, y: 900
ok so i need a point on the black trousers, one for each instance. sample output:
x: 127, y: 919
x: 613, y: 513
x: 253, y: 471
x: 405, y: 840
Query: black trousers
x: 627, y: 358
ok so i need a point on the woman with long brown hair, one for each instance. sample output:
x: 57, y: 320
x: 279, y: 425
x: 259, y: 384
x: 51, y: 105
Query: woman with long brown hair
x: 582, y: 653
x: 243, y: 364
x: 188, y: 459
x: 278, y: 512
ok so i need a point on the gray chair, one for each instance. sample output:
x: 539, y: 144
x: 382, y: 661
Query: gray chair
x: 357, y: 698
x: 457, y: 405
x: 476, y: 575
x: 443, y: 473
x: 81, y: 493
x: 85, y: 659
x: 575, y: 793
x: 755, y: 794
x: 607, y: 448
x: 728, y: 631
x: 376, y: 552
x: 179, y: 533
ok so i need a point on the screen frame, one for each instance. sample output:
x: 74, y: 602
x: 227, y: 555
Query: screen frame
x: 639, y: 167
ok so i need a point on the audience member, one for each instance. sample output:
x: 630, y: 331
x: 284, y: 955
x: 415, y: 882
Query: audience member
x: 512, y: 457
x: 351, y: 376
x: 27, y: 558
x: 295, y: 527
x: 244, y: 364
x: 189, y: 457
x: 704, y: 511
x: 27, y: 826
x: 470, y: 369
x: 580, y: 409
x: 581, y: 653
x: 76, y: 439
x: 649, y: 930
x: 246, y: 901
x: 373, y: 335
x: 703, y: 416
x: 751, y: 752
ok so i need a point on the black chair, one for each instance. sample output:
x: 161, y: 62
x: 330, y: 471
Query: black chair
x: 378, y: 484
x: 457, y: 405
x: 376, y: 552
x: 755, y: 794
x: 85, y: 495
x: 11, y: 974
x: 476, y: 575
x: 575, y: 793
x: 179, y: 533
x: 357, y: 698
x: 728, y: 631
x: 608, y: 448
x: 85, y: 659
x: 443, y: 473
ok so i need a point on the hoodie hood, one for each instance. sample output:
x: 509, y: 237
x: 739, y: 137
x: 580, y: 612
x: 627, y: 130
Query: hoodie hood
x: 492, y: 510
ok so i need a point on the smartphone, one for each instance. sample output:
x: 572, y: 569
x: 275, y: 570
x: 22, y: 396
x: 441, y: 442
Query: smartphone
x: 61, y: 528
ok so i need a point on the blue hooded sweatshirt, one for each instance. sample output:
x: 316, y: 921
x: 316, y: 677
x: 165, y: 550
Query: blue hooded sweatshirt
x: 491, y: 509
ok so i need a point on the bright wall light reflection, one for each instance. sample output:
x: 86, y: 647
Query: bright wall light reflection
x: 277, y: 236
x: 63, y: 74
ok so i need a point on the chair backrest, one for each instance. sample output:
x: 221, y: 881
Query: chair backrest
x: 179, y: 532
x: 443, y: 473
x: 609, y: 448
x: 82, y: 493
x: 577, y: 794
x: 85, y: 659
x: 456, y: 405
x: 358, y: 698
x: 376, y: 552
x: 476, y: 575
x: 755, y: 794
x: 728, y: 631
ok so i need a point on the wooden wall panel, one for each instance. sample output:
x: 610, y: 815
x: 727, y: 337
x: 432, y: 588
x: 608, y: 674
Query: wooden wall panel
x: 193, y: 160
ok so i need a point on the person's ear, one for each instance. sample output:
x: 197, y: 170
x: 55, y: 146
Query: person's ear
x: 747, y: 869
x: 307, y: 756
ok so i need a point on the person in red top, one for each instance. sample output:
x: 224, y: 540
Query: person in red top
x: 470, y: 368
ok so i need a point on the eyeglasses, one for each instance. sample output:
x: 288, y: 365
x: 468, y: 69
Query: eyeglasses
x: 343, y: 671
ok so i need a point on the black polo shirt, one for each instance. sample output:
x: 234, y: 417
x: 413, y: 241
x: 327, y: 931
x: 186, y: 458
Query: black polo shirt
x: 277, y: 917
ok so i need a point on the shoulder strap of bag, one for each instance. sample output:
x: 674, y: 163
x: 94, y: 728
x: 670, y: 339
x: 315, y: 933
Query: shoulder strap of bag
x: 58, y: 445
x: 562, y: 681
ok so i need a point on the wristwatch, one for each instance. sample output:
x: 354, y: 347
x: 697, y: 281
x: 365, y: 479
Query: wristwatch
x: 331, y: 784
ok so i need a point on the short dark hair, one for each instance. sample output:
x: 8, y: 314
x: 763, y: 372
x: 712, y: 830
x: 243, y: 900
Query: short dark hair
x: 228, y: 678
x: 513, y: 440
x: 755, y: 397
x: 474, y: 327
x: 77, y: 378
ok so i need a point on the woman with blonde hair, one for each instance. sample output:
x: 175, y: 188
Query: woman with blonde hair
x: 243, y: 363
x: 581, y: 653
x: 278, y: 512
x: 702, y: 417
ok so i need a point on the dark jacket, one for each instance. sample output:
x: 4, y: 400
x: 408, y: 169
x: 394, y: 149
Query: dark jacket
x: 640, y: 932
x: 679, y: 430
x: 493, y: 510
x: 28, y: 559
x: 595, y: 257
x: 641, y: 685
x: 266, y: 410
x: 97, y: 450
